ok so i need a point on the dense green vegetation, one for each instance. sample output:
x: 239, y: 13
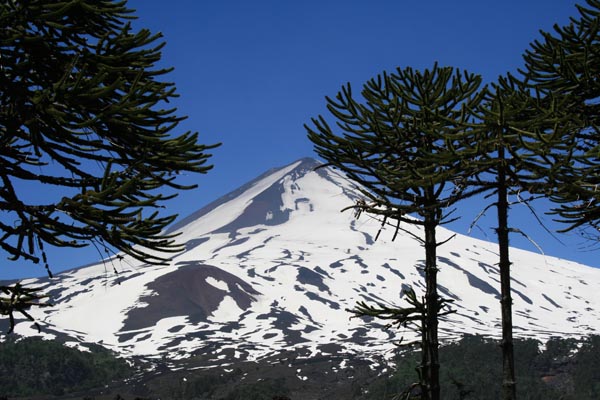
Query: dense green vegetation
x: 36, y: 367
x: 266, y: 389
x: 564, y: 369
x: 561, y: 369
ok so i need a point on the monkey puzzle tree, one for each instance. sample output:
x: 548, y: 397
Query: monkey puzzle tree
x: 544, y: 135
x: 566, y: 63
x: 83, y: 109
x: 519, y: 144
x: 403, y: 143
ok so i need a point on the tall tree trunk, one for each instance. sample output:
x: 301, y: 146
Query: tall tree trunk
x: 432, y: 368
x: 423, y: 374
x: 508, y: 363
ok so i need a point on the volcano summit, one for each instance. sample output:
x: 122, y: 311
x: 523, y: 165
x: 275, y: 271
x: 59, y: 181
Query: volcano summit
x: 273, y: 265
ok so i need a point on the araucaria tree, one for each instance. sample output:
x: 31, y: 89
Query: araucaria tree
x: 519, y: 144
x: 403, y: 143
x: 83, y: 108
x: 566, y: 64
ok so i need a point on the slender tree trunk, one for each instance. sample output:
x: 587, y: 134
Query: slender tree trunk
x: 508, y: 364
x: 424, y: 359
x: 432, y: 377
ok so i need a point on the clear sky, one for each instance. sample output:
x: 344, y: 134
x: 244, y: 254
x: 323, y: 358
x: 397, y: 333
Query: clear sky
x: 251, y: 73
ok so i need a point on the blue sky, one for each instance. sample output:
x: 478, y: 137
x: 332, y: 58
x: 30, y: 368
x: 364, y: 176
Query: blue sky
x: 251, y: 73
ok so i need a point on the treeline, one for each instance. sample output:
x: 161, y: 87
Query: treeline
x: 33, y: 366
x: 561, y: 369
x: 564, y: 369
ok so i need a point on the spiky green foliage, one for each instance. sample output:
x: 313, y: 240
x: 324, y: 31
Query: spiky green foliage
x: 84, y: 112
x: 398, y: 141
x: 520, y: 142
x: 47, y: 368
x: 403, y: 143
x: 19, y: 299
x: 566, y: 63
x: 414, y: 317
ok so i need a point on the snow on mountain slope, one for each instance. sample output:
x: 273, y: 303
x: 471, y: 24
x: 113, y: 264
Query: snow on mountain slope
x: 273, y: 266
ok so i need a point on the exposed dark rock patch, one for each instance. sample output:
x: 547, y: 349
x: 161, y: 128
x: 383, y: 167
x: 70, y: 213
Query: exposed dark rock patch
x: 368, y: 238
x: 309, y: 277
x: 176, y: 328
x: 287, y: 253
x: 314, y: 296
x: 449, y: 262
x: 232, y: 243
x: 305, y: 312
x: 393, y: 270
x: 446, y: 292
x: 186, y: 292
x: 304, y: 200
x: 473, y: 280
x: 489, y: 269
x: 481, y: 285
x: 306, y: 163
x: 190, y: 244
x: 359, y: 261
x: 404, y: 288
x: 267, y: 207
x: 322, y: 271
x: 522, y: 296
x: 246, y: 253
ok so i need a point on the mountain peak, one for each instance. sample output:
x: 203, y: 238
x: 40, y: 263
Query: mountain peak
x: 308, y: 162
x: 260, y: 198
x: 273, y: 266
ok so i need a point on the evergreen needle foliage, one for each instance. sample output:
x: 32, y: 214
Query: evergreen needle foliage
x: 565, y: 63
x: 407, y: 144
x: 562, y: 369
x: 41, y: 367
x: 83, y: 108
x: 518, y: 143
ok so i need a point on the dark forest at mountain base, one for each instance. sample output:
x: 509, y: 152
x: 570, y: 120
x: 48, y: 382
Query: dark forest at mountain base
x: 32, y: 366
x: 562, y: 369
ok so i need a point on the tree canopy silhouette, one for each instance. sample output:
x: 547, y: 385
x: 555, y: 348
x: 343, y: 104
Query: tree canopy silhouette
x: 565, y: 64
x: 407, y: 143
x: 84, y: 109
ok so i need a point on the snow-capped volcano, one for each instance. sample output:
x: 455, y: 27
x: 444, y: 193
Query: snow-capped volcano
x: 274, y: 265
